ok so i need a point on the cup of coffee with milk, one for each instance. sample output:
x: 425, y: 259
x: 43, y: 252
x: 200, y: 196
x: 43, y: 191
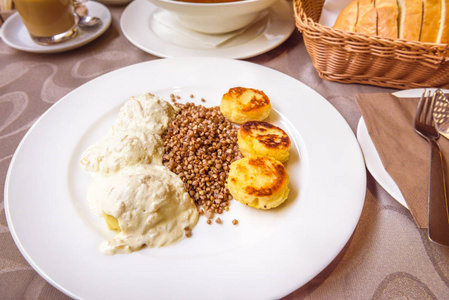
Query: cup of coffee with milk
x: 48, y: 21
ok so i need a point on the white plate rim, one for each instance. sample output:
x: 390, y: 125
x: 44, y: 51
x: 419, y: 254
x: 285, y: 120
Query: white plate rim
x: 14, y: 23
x: 343, y: 193
x: 139, y: 13
x: 372, y: 158
x: 114, y: 2
x: 374, y: 164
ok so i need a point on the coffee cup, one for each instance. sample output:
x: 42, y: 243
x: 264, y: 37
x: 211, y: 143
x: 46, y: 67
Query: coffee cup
x: 48, y: 21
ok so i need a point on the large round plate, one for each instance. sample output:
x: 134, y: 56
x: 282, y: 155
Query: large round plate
x: 267, y: 255
x: 114, y: 2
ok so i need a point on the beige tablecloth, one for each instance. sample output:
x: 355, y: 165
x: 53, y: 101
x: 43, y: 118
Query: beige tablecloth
x: 388, y: 257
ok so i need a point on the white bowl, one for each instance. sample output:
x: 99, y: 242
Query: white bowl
x: 215, y: 18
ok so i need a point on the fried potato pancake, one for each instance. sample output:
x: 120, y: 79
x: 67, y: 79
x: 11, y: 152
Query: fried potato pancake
x: 262, y: 138
x: 258, y: 181
x: 240, y: 105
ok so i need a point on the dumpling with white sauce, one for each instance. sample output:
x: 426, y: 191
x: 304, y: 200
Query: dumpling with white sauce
x: 146, y: 113
x: 115, y: 152
x: 150, y: 203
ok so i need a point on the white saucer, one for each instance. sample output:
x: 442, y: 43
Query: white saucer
x: 114, y: 2
x: 15, y: 35
x: 372, y: 159
x: 142, y: 30
x: 374, y: 164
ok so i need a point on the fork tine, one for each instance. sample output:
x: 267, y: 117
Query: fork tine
x: 430, y: 106
x: 419, y: 109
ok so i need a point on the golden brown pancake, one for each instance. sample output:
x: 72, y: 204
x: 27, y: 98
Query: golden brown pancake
x: 262, y: 138
x: 258, y: 181
x: 240, y: 105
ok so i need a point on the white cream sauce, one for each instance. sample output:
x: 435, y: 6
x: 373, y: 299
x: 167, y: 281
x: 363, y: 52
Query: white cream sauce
x: 129, y: 183
x: 122, y: 149
x: 150, y: 203
x: 145, y: 113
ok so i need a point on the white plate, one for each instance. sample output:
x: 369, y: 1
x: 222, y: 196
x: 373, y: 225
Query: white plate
x: 374, y: 164
x: 15, y: 35
x: 149, y: 35
x: 372, y: 159
x: 114, y: 2
x: 267, y: 255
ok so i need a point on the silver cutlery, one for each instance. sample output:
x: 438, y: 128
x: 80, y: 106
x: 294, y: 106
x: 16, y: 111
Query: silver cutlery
x: 84, y: 20
x: 438, y: 206
x: 441, y: 113
x: 88, y: 21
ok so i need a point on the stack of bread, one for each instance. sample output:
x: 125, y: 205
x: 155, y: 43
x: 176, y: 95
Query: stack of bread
x: 414, y: 20
x: 259, y: 180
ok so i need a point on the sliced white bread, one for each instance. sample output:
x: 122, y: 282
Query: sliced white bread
x: 431, y: 20
x: 367, y: 18
x: 347, y: 18
x: 443, y: 33
x: 415, y: 20
x: 410, y: 19
x: 387, y: 18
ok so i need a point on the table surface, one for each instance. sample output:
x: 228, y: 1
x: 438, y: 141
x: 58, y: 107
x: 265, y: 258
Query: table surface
x: 387, y: 256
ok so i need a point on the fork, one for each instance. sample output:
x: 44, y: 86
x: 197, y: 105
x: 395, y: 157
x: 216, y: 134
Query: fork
x: 438, y: 206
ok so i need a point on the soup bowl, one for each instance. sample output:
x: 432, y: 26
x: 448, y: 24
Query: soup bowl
x: 217, y: 17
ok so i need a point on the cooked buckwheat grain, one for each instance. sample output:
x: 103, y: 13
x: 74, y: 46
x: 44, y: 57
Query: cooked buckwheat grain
x: 200, y: 144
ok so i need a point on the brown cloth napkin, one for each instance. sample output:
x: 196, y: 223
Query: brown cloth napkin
x: 404, y: 154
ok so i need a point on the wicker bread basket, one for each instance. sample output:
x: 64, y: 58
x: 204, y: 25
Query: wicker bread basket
x: 350, y: 57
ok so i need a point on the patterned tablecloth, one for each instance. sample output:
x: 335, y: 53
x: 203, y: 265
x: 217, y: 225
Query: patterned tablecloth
x: 387, y: 257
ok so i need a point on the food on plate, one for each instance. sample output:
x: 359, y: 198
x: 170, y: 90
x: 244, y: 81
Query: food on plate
x: 414, y: 20
x: 134, y: 138
x: 137, y: 196
x: 146, y: 113
x: 150, y: 204
x: 200, y: 144
x: 111, y: 222
x: 258, y: 181
x: 241, y: 104
x: 116, y: 151
x: 163, y: 165
x: 263, y: 138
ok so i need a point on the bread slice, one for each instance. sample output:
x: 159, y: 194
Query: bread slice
x: 387, y: 18
x: 410, y: 19
x: 347, y: 18
x: 431, y: 20
x: 367, y: 18
x: 443, y: 33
